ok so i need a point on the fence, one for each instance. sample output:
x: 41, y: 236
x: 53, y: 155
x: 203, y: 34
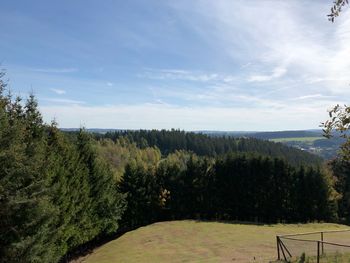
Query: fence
x: 322, y: 246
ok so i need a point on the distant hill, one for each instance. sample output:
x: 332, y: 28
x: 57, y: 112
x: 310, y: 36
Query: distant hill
x: 285, y: 134
x: 311, y: 141
x: 306, y: 140
x: 169, y: 141
x: 266, y: 135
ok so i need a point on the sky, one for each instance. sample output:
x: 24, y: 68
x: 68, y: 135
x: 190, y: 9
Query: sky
x: 225, y: 65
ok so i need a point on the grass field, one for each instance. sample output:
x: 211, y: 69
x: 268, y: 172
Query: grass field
x: 194, y: 241
x: 334, y: 258
x: 297, y: 139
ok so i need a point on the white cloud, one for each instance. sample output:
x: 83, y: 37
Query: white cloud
x: 265, y: 33
x: 276, y: 73
x: 248, y: 64
x: 179, y: 74
x: 149, y: 116
x: 58, y: 101
x: 285, y: 64
x: 55, y: 70
x: 59, y: 91
x: 313, y: 96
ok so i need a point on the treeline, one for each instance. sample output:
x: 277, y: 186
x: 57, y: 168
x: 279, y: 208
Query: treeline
x: 168, y: 141
x: 236, y: 187
x: 239, y: 186
x: 55, y: 194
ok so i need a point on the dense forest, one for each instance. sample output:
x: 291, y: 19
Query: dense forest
x: 60, y: 190
x: 237, y: 187
x: 267, y: 135
x: 55, y: 194
x: 204, y: 145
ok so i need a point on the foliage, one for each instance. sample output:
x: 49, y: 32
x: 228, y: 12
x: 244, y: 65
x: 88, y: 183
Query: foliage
x: 341, y: 172
x: 119, y: 153
x: 54, y: 194
x: 334, y: 257
x: 339, y: 124
x: 272, y: 191
x: 336, y: 9
x: 142, y: 195
x: 235, y: 187
x: 204, y: 145
x: 230, y: 186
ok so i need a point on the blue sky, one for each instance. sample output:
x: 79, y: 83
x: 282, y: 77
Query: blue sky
x: 193, y: 65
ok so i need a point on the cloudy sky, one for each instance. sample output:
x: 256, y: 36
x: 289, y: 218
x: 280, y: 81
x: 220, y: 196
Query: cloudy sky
x: 193, y: 65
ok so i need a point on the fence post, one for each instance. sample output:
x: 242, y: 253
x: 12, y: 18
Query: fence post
x: 318, y: 251
x: 278, y: 247
x: 322, y: 243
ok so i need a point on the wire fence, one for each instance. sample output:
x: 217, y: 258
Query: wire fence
x: 318, y: 247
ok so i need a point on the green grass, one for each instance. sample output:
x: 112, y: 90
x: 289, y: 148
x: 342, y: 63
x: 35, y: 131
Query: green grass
x: 333, y: 258
x: 297, y: 139
x: 193, y: 241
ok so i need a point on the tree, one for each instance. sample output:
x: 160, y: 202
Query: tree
x: 55, y: 192
x: 339, y: 125
x: 142, y: 195
x: 106, y: 203
x: 336, y: 9
x: 25, y: 206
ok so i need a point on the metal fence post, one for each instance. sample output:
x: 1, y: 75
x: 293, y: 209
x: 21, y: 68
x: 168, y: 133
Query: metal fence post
x: 278, y: 247
x: 322, y: 243
x: 318, y: 251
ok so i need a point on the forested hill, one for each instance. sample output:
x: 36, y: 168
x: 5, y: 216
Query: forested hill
x: 169, y: 141
x: 268, y: 135
x: 286, y: 134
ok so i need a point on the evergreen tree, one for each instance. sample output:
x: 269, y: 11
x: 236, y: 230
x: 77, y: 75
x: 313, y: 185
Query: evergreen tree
x: 107, y: 203
x: 24, y: 193
x: 142, y: 195
x: 55, y: 192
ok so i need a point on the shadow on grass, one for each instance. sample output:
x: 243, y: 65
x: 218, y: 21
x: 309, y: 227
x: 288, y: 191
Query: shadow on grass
x: 87, y: 248
x: 235, y: 222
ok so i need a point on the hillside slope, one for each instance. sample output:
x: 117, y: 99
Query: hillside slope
x: 194, y: 241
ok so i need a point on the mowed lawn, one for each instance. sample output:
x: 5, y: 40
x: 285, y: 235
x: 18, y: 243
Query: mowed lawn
x: 197, y: 241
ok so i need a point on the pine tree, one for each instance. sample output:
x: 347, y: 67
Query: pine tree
x: 24, y: 196
x: 142, y: 195
x: 107, y: 204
